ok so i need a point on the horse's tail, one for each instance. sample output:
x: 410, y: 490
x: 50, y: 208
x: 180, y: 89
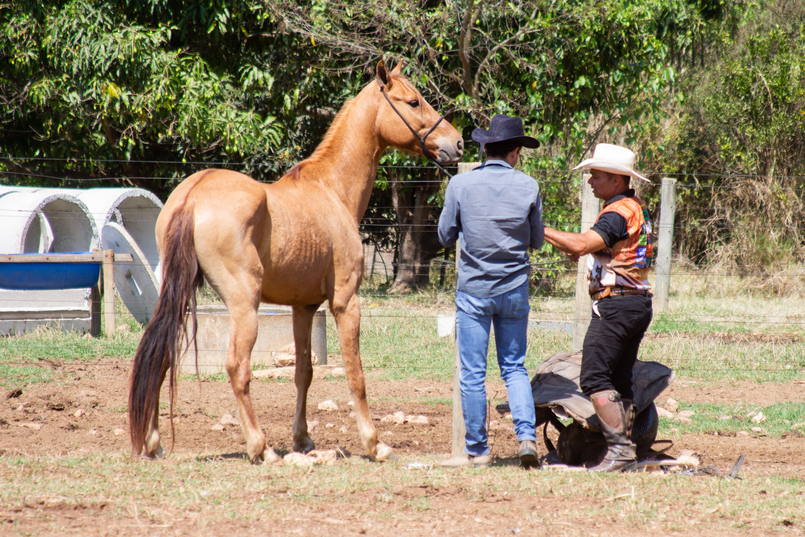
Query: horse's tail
x: 159, y: 346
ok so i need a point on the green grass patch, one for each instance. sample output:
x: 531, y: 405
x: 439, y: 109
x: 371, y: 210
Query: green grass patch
x: 15, y: 376
x: 728, y: 419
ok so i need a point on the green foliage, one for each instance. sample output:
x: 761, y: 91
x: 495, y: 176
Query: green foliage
x: 573, y: 70
x: 742, y: 137
x: 88, y: 80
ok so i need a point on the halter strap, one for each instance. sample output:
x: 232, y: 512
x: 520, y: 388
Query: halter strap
x: 415, y: 133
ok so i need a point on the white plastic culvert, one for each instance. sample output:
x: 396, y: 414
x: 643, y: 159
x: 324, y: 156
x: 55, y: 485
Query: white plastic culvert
x: 37, y: 220
x: 59, y: 220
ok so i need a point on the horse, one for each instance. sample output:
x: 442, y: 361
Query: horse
x: 294, y: 242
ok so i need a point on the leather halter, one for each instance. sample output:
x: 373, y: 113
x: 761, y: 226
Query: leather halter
x: 421, y: 139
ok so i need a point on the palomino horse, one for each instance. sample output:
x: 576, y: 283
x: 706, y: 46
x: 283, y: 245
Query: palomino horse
x: 294, y: 242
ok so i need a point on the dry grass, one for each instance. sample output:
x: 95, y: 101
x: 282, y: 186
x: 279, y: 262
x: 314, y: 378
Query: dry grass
x: 196, y: 495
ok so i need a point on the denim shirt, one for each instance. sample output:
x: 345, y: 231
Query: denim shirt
x: 496, y: 212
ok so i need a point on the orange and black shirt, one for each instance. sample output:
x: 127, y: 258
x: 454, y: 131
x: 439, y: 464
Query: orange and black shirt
x: 625, y: 226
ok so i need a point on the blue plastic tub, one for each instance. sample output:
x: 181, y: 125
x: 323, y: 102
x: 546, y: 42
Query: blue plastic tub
x: 40, y: 276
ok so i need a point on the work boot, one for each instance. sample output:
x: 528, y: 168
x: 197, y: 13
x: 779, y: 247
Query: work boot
x: 528, y: 454
x: 466, y: 459
x: 616, y: 417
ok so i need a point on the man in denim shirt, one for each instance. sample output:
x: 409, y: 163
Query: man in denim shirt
x: 496, y: 212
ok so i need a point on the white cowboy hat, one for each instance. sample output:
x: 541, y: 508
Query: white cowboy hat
x: 613, y: 159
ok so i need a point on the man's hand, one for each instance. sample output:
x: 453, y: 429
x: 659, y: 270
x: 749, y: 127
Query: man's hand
x: 575, y: 244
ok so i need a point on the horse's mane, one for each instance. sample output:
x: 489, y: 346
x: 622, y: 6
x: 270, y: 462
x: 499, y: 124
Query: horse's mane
x: 331, y: 137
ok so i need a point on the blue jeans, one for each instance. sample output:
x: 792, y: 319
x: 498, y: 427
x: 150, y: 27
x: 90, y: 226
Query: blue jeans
x: 474, y: 316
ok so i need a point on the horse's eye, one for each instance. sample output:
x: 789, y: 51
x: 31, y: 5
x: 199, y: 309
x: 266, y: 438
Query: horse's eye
x: 413, y: 103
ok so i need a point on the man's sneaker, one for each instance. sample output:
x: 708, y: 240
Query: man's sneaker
x: 466, y: 460
x: 528, y: 454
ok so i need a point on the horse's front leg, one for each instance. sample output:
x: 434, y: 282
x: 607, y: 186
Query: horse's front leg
x: 302, y: 327
x: 347, y: 315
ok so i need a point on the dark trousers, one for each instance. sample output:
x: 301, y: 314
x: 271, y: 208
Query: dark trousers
x: 611, y: 344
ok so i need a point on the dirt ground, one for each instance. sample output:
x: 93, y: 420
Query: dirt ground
x: 86, y: 413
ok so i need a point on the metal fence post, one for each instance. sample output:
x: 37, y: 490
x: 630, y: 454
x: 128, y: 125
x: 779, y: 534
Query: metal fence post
x: 590, y: 207
x: 665, y: 237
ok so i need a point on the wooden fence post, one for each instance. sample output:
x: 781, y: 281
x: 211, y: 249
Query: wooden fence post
x: 459, y: 430
x: 109, y: 292
x: 95, y: 304
x: 458, y: 415
x: 665, y: 237
x: 590, y: 207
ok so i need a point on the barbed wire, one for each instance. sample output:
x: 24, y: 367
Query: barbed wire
x: 562, y: 171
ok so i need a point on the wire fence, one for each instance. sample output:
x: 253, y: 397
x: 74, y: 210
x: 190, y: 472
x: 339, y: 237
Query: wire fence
x: 709, y: 327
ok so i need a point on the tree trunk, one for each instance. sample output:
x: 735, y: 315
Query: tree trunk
x: 418, y: 240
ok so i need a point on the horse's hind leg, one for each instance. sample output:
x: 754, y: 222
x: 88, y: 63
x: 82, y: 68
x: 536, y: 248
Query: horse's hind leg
x: 347, y: 315
x: 302, y: 327
x: 243, y: 334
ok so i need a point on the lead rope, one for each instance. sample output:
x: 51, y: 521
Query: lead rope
x: 415, y: 133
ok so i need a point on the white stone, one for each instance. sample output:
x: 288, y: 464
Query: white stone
x: 342, y: 430
x: 686, y: 413
x: 419, y: 420
x: 759, y: 418
x: 757, y: 429
x: 352, y: 415
x: 398, y: 418
x: 326, y: 457
x: 312, y: 425
x: 287, y: 356
x: 330, y: 425
x: 682, y: 419
x: 78, y: 413
x: 229, y: 419
x: 33, y: 426
x: 328, y: 405
x: 118, y: 432
x: 338, y: 372
x: 217, y: 427
x: 743, y: 433
x: 661, y: 412
x: 671, y: 404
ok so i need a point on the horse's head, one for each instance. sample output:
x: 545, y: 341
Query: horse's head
x: 444, y: 144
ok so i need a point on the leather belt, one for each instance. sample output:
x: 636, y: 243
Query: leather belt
x: 618, y: 291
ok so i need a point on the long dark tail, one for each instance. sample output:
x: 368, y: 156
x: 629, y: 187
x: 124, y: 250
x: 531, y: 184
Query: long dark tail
x: 159, y: 346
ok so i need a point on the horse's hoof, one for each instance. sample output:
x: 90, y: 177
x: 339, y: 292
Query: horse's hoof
x: 385, y: 453
x: 268, y: 456
x: 158, y: 453
x: 304, y: 445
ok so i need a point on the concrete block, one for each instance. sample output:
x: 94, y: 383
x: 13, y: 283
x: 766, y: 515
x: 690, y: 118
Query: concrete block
x: 275, y: 332
x: 24, y: 311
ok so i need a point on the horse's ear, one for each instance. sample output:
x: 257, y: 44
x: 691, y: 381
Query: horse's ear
x: 382, y: 74
x: 397, y: 71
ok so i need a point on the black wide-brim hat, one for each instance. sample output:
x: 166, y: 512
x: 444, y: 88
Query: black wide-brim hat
x: 504, y: 128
